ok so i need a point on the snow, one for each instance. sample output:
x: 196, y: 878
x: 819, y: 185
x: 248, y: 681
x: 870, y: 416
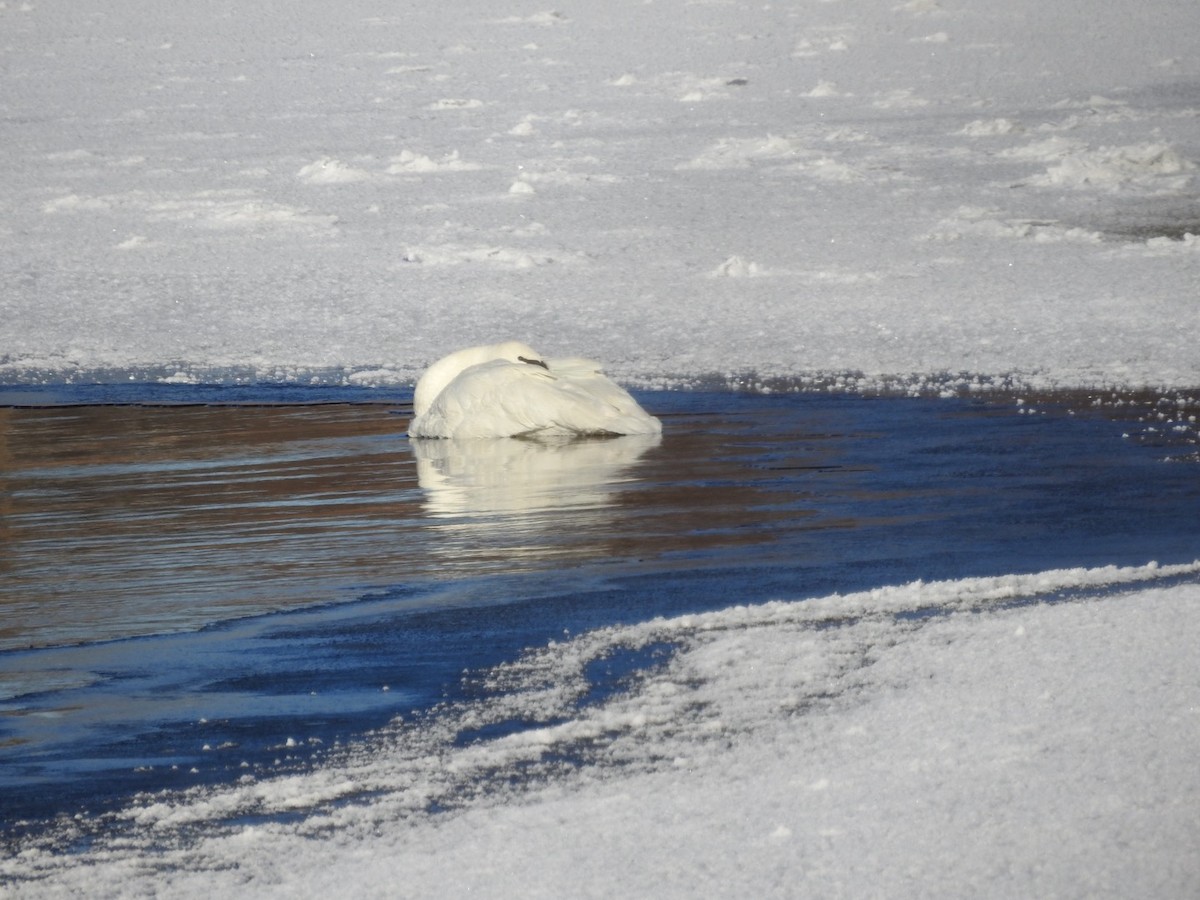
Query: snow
x: 923, y: 194
x: 1010, y: 736
x: 932, y: 194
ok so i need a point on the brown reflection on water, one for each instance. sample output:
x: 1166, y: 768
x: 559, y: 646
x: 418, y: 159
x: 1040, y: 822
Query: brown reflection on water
x: 124, y: 520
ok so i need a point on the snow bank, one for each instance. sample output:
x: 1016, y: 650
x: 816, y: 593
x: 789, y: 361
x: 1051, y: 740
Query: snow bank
x: 1021, y: 735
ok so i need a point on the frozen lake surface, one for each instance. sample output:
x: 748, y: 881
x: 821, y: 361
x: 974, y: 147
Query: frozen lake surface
x: 205, y: 583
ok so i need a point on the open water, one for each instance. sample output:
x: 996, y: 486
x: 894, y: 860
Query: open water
x: 199, y: 583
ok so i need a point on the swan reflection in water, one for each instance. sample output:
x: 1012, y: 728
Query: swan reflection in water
x: 510, y: 503
x: 516, y: 477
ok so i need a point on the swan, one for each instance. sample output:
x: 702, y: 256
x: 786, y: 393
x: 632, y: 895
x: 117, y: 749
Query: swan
x: 508, y: 390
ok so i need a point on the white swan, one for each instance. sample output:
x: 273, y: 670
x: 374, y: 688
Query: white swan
x: 507, y: 390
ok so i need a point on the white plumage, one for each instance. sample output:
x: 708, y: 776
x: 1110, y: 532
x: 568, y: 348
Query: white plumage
x: 507, y: 390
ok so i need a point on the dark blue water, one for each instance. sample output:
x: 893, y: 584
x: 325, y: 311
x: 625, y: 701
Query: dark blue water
x: 204, y: 583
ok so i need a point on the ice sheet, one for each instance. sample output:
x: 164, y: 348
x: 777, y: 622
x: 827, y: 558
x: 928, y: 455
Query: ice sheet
x: 920, y: 195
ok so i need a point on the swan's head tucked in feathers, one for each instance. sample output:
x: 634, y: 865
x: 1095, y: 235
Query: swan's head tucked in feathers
x: 508, y: 390
x: 446, y: 369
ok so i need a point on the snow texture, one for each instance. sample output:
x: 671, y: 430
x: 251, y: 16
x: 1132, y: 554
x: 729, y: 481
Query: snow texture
x: 928, y: 193
x: 1012, y: 736
x: 921, y: 194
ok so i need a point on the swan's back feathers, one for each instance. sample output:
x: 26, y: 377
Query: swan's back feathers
x: 439, y: 375
x: 520, y: 395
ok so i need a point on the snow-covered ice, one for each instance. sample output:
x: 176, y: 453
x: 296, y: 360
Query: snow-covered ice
x: 904, y: 193
x: 928, y: 195
x: 1011, y: 736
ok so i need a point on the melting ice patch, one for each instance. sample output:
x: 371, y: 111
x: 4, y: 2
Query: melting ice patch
x: 779, y: 155
x: 737, y: 267
x: 215, y: 209
x: 740, y: 153
x: 455, y: 103
x: 499, y: 257
x: 969, y: 221
x: 1167, y: 246
x: 410, y: 163
x: 990, y: 128
x: 1148, y: 166
x: 1072, y: 164
x: 327, y: 170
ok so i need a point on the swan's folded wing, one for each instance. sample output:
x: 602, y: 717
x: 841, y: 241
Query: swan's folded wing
x: 601, y: 405
x: 477, y: 403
